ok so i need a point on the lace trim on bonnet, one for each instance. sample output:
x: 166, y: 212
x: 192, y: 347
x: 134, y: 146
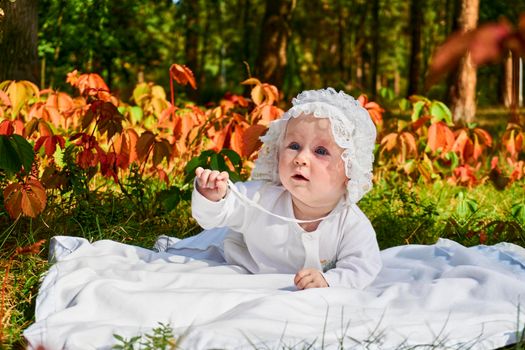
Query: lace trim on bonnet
x: 352, y: 129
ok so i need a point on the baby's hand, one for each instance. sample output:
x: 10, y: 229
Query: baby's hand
x: 211, y: 183
x: 309, y: 278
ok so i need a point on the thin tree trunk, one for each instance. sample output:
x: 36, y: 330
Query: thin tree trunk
x: 464, y: 94
x: 511, y: 82
x: 374, y: 64
x: 191, y: 47
x: 416, y: 15
x: 18, y: 40
x: 275, y: 32
x: 341, y: 39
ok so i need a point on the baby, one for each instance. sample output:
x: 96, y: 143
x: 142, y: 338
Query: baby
x: 299, y: 214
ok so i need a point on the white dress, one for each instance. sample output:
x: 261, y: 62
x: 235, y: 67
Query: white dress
x: 343, y: 246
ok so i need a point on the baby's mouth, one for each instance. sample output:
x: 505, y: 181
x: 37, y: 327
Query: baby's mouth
x: 299, y: 177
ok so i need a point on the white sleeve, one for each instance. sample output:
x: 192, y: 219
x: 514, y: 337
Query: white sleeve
x: 228, y: 212
x: 358, y: 257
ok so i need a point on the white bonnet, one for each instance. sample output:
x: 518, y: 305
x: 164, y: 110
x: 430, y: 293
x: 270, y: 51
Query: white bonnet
x: 352, y: 129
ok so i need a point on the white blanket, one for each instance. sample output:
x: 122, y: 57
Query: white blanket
x: 443, y: 295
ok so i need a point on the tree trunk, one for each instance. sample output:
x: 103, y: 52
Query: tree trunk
x: 341, y: 40
x: 275, y: 32
x: 374, y: 64
x: 191, y: 47
x: 18, y: 40
x: 512, y: 80
x: 416, y: 15
x: 464, y: 91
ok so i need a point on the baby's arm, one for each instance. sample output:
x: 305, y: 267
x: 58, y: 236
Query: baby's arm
x: 358, y: 257
x: 212, y: 184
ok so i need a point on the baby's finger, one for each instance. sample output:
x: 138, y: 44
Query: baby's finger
x: 199, y: 171
x: 202, y: 179
x: 212, y: 179
x: 223, y: 176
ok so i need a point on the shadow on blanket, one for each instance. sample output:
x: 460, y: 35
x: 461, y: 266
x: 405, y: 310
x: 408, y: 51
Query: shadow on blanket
x: 443, y: 295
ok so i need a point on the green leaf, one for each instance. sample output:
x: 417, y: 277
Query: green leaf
x: 15, y: 152
x: 439, y: 111
x: 170, y: 198
x: 387, y: 93
x: 418, y: 108
x: 518, y: 212
x: 193, y: 164
x: 404, y: 104
x: 136, y: 114
x: 234, y: 158
x: 214, y: 162
x: 453, y: 157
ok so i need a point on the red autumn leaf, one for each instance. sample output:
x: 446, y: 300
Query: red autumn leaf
x: 182, y: 75
x: 6, y: 128
x: 50, y: 144
x: 87, y: 82
x: 108, y: 164
x: 162, y: 175
x: 440, y: 137
x: 477, y: 149
x: 125, y: 146
x: 250, y: 139
x: 27, y: 198
x: 219, y: 137
x: 144, y: 144
x: 420, y: 122
x: 463, y: 145
x: 373, y: 108
x: 161, y: 150
x: 484, y: 136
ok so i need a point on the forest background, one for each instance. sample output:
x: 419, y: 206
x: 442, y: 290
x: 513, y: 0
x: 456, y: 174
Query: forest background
x: 112, y: 157
x: 292, y: 44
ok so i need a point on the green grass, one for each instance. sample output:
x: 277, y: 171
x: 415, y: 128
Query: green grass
x: 400, y: 213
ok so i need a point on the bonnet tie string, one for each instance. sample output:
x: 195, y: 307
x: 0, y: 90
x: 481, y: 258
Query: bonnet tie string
x: 254, y: 204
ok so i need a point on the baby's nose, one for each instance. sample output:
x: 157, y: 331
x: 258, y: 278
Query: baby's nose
x: 299, y: 160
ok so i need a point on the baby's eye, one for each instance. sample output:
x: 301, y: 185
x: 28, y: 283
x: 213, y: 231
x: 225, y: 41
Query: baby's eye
x: 322, y: 151
x: 294, y: 146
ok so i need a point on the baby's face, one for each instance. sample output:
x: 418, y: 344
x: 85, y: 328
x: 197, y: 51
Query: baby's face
x: 310, y: 163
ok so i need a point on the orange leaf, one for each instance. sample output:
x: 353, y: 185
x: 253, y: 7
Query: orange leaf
x: 362, y: 99
x: 257, y: 94
x: 251, y: 81
x: 477, y: 149
x: 389, y: 141
x: 271, y: 93
x: 4, y: 99
x: 182, y: 75
x: 250, y: 139
x: 269, y: 113
x: 440, y: 137
x: 236, y: 139
x: 6, y: 128
x: 90, y: 81
x: 484, y: 135
x: 28, y: 199
x: 410, y: 141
